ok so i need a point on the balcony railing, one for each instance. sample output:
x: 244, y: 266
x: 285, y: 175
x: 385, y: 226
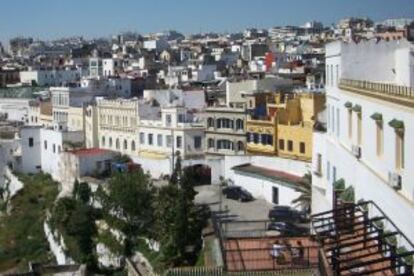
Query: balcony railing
x: 377, y: 87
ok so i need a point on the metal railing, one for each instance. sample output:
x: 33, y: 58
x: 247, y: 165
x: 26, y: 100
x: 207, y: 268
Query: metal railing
x: 377, y: 87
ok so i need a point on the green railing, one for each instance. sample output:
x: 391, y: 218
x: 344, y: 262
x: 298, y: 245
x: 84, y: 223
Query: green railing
x: 377, y: 87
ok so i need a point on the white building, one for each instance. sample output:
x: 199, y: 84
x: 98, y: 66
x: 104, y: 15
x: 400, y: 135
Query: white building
x: 41, y: 148
x: 157, y: 45
x: 54, y: 77
x: 234, y: 90
x: 274, y: 179
x: 111, y: 67
x: 370, y: 128
x: 15, y: 109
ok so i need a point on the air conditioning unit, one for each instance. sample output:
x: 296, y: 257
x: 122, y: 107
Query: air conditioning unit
x: 356, y: 151
x: 394, y: 180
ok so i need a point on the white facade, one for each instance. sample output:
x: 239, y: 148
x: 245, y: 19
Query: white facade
x: 50, y: 77
x: 158, y: 45
x: 360, y: 146
x: 261, y: 186
x: 111, y: 67
x: 234, y: 89
x: 41, y: 148
x: 15, y: 109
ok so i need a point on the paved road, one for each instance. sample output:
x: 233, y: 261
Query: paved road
x: 254, y: 210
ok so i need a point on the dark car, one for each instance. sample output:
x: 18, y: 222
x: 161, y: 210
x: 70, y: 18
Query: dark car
x: 286, y: 214
x: 288, y: 228
x: 237, y: 193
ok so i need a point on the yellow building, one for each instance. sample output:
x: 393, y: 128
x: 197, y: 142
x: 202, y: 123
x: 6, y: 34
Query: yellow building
x: 283, y: 126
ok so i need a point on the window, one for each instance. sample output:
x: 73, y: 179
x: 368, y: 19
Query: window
x: 399, y: 150
x: 59, y: 149
x: 333, y: 174
x: 337, y: 74
x: 150, y: 138
x: 328, y: 170
x: 319, y: 163
x: 133, y: 145
x: 350, y: 124
x: 281, y: 144
x: 142, y: 138
x: 359, y: 130
x: 103, y: 141
x: 45, y: 144
x: 240, y: 146
x: 181, y: 118
x: 54, y: 148
x: 168, y: 119
x: 31, y: 142
x: 239, y: 124
x: 168, y: 140
x: 337, y: 122
x: 210, y: 143
x: 179, y: 142
x: 224, y: 123
x: 333, y: 119
x: 125, y: 144
x: 302, y: 148
x: 197, y: 142
x: 290, y: 145
x: 225, y: 144
x: 210, y: 122
x: 327, y: 75
x: 110, y: 142
x: 159, y: 140
x: 380, y: 139
x: 117, y: 143
x: 255, y: 138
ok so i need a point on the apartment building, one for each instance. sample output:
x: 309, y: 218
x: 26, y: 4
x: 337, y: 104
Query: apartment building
x: 367, y: 145
x: 226, y: 130
x: 282, y: 125
x: 116, y: 122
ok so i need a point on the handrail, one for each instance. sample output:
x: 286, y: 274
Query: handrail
x: 384, y: 88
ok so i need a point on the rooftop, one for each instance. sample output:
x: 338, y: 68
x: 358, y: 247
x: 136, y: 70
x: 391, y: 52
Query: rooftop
x: 89, y: 152
x: 272, y: 175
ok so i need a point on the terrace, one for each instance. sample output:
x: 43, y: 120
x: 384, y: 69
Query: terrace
x: 359, y: 239
x: 399, y: 94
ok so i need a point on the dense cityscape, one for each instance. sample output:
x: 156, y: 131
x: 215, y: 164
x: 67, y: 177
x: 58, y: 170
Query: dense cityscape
x: 269, y: 151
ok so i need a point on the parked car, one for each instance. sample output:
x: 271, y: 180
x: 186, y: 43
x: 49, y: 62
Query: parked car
x: 288, y: 228
x: 237, y: 193
x: 286, y: 214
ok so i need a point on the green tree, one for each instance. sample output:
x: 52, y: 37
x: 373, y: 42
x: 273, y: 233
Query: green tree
x: 129, y: 200
x: 179, y: 222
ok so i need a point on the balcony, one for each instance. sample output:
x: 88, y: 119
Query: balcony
x: 390, y: 92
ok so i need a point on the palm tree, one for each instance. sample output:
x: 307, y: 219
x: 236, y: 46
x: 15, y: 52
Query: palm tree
x: 304, y: 187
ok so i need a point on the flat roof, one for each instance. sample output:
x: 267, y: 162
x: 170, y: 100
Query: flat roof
x: 89, y: 152
x: 269, y: 174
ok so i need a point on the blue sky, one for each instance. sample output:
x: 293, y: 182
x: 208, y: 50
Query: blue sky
x: 48, y: 19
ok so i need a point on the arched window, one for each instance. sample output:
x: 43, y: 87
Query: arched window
x: 125, y: 144
x: 240, y: 146
x: 103, y: 141
x: 210, y: 143
x: 239, y: 124
x: 210, y: 122
x: 117, y: 143
x: 133, y: 145
x: 110, y: 142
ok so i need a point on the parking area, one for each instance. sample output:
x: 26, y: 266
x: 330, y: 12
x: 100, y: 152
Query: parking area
x: 254, y: 210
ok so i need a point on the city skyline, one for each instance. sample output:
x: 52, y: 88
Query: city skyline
x: 55, y: 19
